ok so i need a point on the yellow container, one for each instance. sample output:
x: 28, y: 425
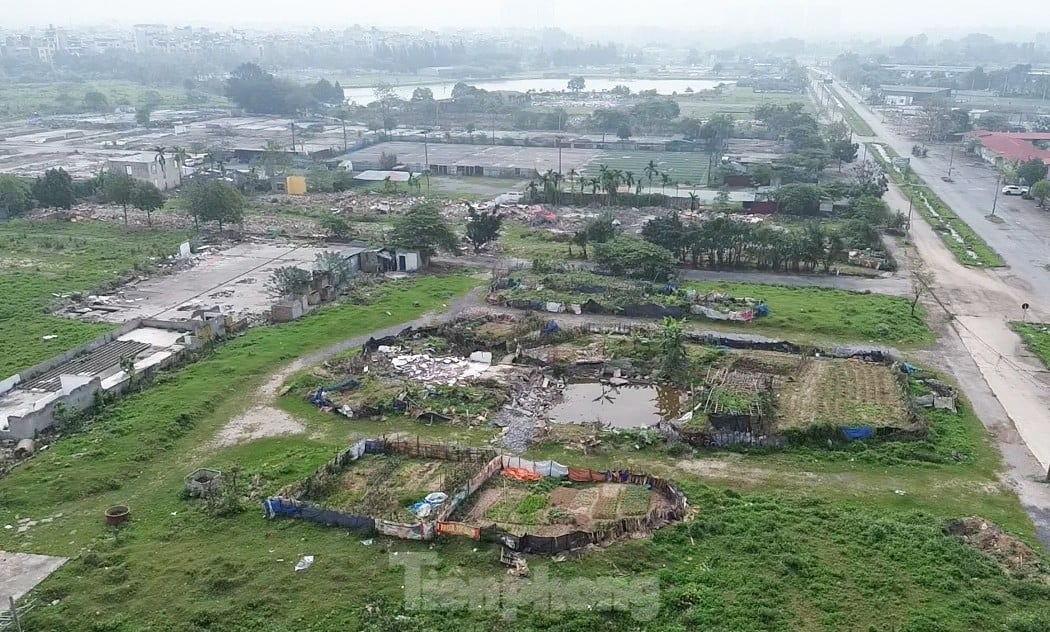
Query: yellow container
x: 295, y: 185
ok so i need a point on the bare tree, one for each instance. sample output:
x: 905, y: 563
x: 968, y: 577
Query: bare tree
x: 921, y: 280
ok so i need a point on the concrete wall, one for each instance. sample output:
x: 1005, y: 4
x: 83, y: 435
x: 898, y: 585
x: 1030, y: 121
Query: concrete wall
x: 66, y: 356
x: 29, y: 425
x: 78, y: 392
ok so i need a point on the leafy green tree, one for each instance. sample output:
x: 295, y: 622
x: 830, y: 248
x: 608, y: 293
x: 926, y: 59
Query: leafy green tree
x: 844, y: 151
x: 54, y: 189
x: 335, y: 226
x: 423, y: 229
x: 577, y: 84
x: 798, y: 199
x: 335, y: 265
x: 142, y: 116
x: 215, y: 201
x: 673, y: 359
x: 288, y: 281
x: 118, y: 188
x: 422, y: 94
x: 1032, y: 171
x: 668, y: 232
x: 1040, y: 191
x: 623, y: 132
x: 15, y: 196
x: 762, y: 174
x: 630, y: 256
x: 145, y: 196
x: 95, y: 101
x: 483, y: 228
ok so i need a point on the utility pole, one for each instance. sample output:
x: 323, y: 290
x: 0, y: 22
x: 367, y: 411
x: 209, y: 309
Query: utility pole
x: 995, y: 199
x: 557, y: 140
x: 293, y: 137
x: 951, y: 159
x: 426, y: 158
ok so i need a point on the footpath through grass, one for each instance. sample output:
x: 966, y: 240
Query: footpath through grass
x: 39, y: 260
x: 967, y: 246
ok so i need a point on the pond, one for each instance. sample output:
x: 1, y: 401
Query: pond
x: 443, y: 90
x: 627, y: 406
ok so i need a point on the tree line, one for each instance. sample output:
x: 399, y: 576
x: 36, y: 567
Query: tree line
x: 727, y: 243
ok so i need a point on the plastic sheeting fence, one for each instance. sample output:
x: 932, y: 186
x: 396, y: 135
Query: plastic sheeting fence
x: 281, y: 506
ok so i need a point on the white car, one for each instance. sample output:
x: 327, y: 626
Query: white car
x: 1013, y: 189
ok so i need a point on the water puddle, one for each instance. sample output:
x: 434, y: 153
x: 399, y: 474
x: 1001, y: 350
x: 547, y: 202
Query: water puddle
x: 627, y: 406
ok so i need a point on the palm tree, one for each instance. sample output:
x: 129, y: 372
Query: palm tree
x: 179, y: 155
x: 532, y: 189
x: 628, y: 179
x: 693, y: 201
x: 595, y: 183
x: 160, y: 158
x: 650, y: 172
x: 557, y: 186
x: 573, y: 174
x: 664, y: 181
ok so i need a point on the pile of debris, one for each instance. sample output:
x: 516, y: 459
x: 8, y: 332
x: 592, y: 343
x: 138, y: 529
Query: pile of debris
x: 432, y: 369
x: 1012, y: 555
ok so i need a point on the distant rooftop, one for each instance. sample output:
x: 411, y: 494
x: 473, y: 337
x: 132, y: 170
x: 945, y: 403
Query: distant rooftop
x: 914, y: 89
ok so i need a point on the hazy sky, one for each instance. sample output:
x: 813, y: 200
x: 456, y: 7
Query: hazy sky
x: 838, y: 19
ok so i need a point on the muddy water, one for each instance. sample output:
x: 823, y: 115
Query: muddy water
x: 620, y: 407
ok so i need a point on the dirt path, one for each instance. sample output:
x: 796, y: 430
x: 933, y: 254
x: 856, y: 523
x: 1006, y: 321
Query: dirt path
x: 264, y: 419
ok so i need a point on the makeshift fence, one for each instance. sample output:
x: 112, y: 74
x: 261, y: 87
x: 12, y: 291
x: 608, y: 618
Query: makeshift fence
x: 288, y: 503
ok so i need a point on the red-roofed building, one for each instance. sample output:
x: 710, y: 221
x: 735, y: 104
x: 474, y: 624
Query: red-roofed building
x: 997, y: 147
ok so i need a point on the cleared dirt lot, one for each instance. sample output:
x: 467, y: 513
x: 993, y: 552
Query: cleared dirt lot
x: 233, y: 279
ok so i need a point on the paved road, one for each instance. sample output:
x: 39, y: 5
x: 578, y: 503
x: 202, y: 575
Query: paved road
x: 1006, y: 384
x: 1023, y: 239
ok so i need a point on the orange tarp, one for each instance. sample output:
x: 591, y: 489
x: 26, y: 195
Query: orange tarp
x: 520, y: 474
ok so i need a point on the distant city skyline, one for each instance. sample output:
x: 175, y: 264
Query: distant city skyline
x: 824, y: 19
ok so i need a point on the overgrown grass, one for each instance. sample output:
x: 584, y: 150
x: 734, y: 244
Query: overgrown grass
x: 969, y: 249
x: 27, y: 98
x: 39, y: 260
x: 1037, y: 337
x: 837, y: 314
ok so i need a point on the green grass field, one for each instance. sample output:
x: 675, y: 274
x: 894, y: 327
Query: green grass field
x: 808, y: 538
x: 1037, y: 337
x: 834, y: 314
x: 27, y: 99
x: 738, y: 101
x: 41, y: 259
x: 683, y: 167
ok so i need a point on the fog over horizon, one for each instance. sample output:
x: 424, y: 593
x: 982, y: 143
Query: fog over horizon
x: 817, y: 19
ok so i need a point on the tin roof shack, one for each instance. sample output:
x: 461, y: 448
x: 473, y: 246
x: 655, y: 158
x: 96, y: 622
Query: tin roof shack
x: 147, y: 167
x: 391, y: 260
x: 31, y: 400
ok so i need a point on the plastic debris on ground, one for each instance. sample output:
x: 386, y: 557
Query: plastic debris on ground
x: 304, y: 563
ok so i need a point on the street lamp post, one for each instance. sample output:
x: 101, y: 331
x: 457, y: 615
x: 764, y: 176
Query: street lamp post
x: 426, y: 158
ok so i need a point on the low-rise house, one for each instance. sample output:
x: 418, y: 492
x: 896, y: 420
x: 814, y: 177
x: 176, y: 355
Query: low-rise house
x: 148, y: 167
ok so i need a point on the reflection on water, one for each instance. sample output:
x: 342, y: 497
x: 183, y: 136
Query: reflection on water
x: 618, y: 406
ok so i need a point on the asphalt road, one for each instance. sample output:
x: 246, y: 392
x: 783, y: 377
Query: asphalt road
x: 1022, y: 239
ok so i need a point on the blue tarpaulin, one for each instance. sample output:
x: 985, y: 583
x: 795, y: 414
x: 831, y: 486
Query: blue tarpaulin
x: 857, y: 433
x: 762, y: 310
x: 551, y: 327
